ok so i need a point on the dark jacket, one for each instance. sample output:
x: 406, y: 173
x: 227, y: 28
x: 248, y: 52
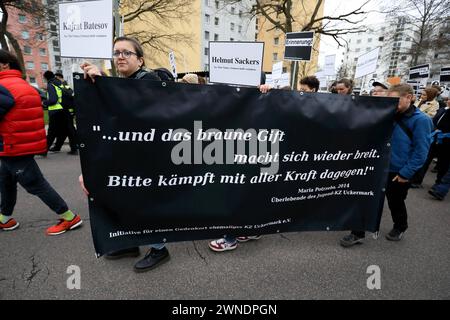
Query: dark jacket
x: 145, y: 74
x: 51, y: 91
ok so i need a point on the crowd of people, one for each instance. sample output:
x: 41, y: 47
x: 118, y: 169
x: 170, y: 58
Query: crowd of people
x: 421, y: 134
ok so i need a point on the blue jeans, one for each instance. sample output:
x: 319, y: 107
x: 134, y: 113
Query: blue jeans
x: 443, y: 187
x: 24, y: 170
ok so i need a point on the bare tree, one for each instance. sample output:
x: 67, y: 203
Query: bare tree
x: 280, y: 15
x: 34, y: 10
x: 155, y: 17
x: 425, y: 23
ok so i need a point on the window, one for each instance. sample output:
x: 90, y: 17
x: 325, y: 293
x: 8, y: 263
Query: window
x: 275, y: 56
x: 240, y: 29
x: 231, y: 39
x: 368, y: 49
x: 233, y: 10
x: 232, y: 26
x: 206, y: 51
x: 25, y: 35
x: 381, y: 39
x: 216, y: 21
x: 206, y: 35
x: 53, y: 27
x: 32, y: 80
x: 207, y: 18
x: 40, y: 36
x: 207, y: 3
x: 216, y: 37
x: 403, y: 58
x: 369, y: 40
x: 436, y: 55
x: 22, y: 18
x: 44, y: 66
x: 358, y: 50
x: 55, y: 43
x: 57, y: 58
x: 217, y: 4
x: 29, y: 65
x: 240, y: 14
x: 42, y: 52
x: 276, y: 41
x: 27, y: 50
x: 358, y: 41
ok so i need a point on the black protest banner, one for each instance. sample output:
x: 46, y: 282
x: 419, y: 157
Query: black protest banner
x: 171, y: 162
x: 445, y: 74
x: 419, y: 72
x: 298, y: 45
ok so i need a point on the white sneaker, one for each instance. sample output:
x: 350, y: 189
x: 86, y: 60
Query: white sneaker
x: 222, y: 245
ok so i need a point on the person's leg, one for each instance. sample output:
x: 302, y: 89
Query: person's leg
x: 52, y: 129
x: 439, y: 191
x: 71, y: 134
x: 31, y: 179
x: 396, y: 194
x: 61, y: 129
x: 443, y: 160
x: 417, y: 179
x: 8, y: 189
x: 8, y: 193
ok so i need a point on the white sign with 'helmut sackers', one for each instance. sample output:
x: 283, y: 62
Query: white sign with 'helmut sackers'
x: 86, y: 29
x: 236, y: 63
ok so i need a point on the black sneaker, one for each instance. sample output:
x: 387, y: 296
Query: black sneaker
x: 53, y: 149
x: 130, y: 252
x: 350, y: 240
x: 394, y: 235
x: 435, y: 195
x: 152, y: 259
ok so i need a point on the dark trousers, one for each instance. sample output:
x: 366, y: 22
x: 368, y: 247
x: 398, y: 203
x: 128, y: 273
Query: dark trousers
x: 24, y: 170
x: 60, y: 127
x: 442, y: 152
x: 396, y: 194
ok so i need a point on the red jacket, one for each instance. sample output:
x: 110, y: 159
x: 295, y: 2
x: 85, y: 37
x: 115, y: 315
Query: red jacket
x: 22, y: 128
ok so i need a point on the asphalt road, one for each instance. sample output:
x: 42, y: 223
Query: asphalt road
x: 308, y: 265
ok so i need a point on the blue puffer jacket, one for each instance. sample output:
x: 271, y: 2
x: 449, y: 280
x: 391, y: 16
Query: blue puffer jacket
x: 409, y: 155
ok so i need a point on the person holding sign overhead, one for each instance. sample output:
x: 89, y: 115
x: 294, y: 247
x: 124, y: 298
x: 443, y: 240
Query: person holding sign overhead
x: 129, y: 62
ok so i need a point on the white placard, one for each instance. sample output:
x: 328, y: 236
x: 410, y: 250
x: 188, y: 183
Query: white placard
x: 277, y: 70
x: 322, y: 79
x: 238, y: 63
x: 330, y: 66
x: 269, y: 80
x: 172, y: 64
x: 86, y: 29
x: 285, y: 80
x: 367, y: 63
